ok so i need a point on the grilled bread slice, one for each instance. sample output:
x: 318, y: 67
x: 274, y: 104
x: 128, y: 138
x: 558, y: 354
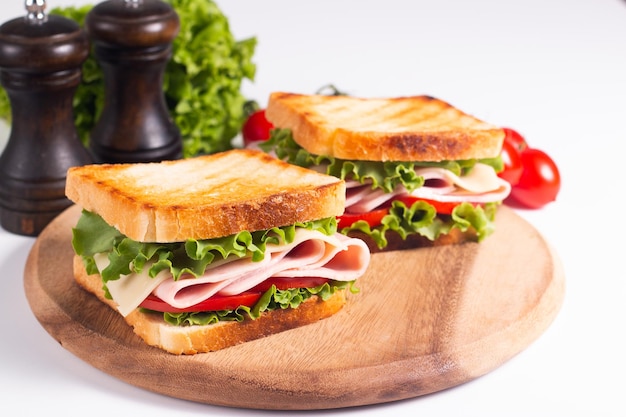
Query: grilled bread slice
x: 204, y: 197
x: 417, y: 128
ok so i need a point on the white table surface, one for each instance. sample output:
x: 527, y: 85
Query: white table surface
x: 553, y: 69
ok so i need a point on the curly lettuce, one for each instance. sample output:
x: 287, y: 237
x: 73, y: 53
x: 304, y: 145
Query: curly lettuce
x: 384, y: 175
x: 272, y: 299
x: 201, y: 84
x: 93, y: 235
x: 421, y: 218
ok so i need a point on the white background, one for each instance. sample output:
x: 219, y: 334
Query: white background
x: 553, y: 69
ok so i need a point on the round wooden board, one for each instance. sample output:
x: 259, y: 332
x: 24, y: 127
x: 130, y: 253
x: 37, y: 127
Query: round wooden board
x: 424, y: 320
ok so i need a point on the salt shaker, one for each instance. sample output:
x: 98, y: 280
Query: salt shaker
x: 40, y: 69
x: 132, y: 40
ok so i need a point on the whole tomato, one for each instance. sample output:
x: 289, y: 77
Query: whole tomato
x: 513, y: 137
x: 540, y: 181
x: 512, y: 160
x: 256, y: 128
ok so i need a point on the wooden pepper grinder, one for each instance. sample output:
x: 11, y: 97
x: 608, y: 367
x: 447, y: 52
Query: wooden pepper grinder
x: 40, y: 69
x: 132, y: 41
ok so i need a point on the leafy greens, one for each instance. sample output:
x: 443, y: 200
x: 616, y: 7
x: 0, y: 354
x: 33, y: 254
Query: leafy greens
x: 93, y: 235
x: 272, y: 299
x: 201, y: 84
x: 421, y: 217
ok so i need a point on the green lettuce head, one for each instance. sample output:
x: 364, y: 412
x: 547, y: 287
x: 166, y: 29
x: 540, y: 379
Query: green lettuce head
x: 201, y: 83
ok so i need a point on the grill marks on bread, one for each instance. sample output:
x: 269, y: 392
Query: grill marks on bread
x: 415, y: 128
x: 204, y: 197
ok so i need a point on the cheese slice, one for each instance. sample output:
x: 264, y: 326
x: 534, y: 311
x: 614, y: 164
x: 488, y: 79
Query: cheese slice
x: 130, y: 290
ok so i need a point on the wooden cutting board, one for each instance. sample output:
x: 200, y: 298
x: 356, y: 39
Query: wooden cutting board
x: 425, y: 320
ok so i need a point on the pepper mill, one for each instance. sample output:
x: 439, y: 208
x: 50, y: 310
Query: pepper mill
x: 40, y: 68
x: 132, y: 40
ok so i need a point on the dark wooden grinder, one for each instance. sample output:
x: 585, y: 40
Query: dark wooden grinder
x: 40, y: 68
x: 132, y: 40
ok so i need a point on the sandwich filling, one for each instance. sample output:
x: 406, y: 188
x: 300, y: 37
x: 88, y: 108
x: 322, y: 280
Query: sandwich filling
x: 224, y: 279
x: 427, y: 198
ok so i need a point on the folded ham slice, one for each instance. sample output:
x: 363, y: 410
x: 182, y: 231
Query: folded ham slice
x: 311, y: 254
x: 481, y: 185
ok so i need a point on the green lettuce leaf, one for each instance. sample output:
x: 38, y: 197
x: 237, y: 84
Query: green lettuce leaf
x: 383, y: 175
x: 93, y: 235
x: 421, y: 218
x: 272, y: 299
x: 203, y: 79
x: 201, y: 83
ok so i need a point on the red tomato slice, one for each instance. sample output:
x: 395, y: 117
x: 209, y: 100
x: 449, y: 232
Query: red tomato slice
x: 285, y: 283
x: 373, y: 218
x: 231, y: 302
x: 442, y: 207
x: 215, y: 303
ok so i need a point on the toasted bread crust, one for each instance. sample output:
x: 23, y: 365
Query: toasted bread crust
x: 204, y: 197
x: 417, y: 128
x: 190, y: 340
x: 414, y: 241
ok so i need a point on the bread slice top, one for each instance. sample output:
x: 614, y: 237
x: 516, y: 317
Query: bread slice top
x: 416, y: 128
x: 204, y: 197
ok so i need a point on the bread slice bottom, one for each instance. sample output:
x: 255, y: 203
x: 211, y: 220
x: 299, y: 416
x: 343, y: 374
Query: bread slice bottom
x: 189, y: 340
x: 414, y: 241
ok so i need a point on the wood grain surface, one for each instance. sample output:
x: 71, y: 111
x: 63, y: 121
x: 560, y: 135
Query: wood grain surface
x: 424, y: 320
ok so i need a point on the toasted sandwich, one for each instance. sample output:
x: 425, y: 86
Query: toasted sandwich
x: 418, y: 171
x: 204, y: 253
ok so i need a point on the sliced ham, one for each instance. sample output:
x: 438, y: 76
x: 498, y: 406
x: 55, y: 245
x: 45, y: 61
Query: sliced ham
x: 311, y: 254
x: 363, y: 199
x: 481, y: 185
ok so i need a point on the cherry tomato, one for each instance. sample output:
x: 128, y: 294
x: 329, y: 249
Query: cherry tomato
x: 215, y: 303
x: 540, y: 181
x: 256, y: 128
x: 515, y: 138
x: 512, y: 160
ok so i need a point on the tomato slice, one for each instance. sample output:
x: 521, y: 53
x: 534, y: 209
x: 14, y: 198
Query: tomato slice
x: 285, y: 283
x: 442, y: 207
x: 373, y: 218
x: 231, y: 302
x: 215, y: 303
